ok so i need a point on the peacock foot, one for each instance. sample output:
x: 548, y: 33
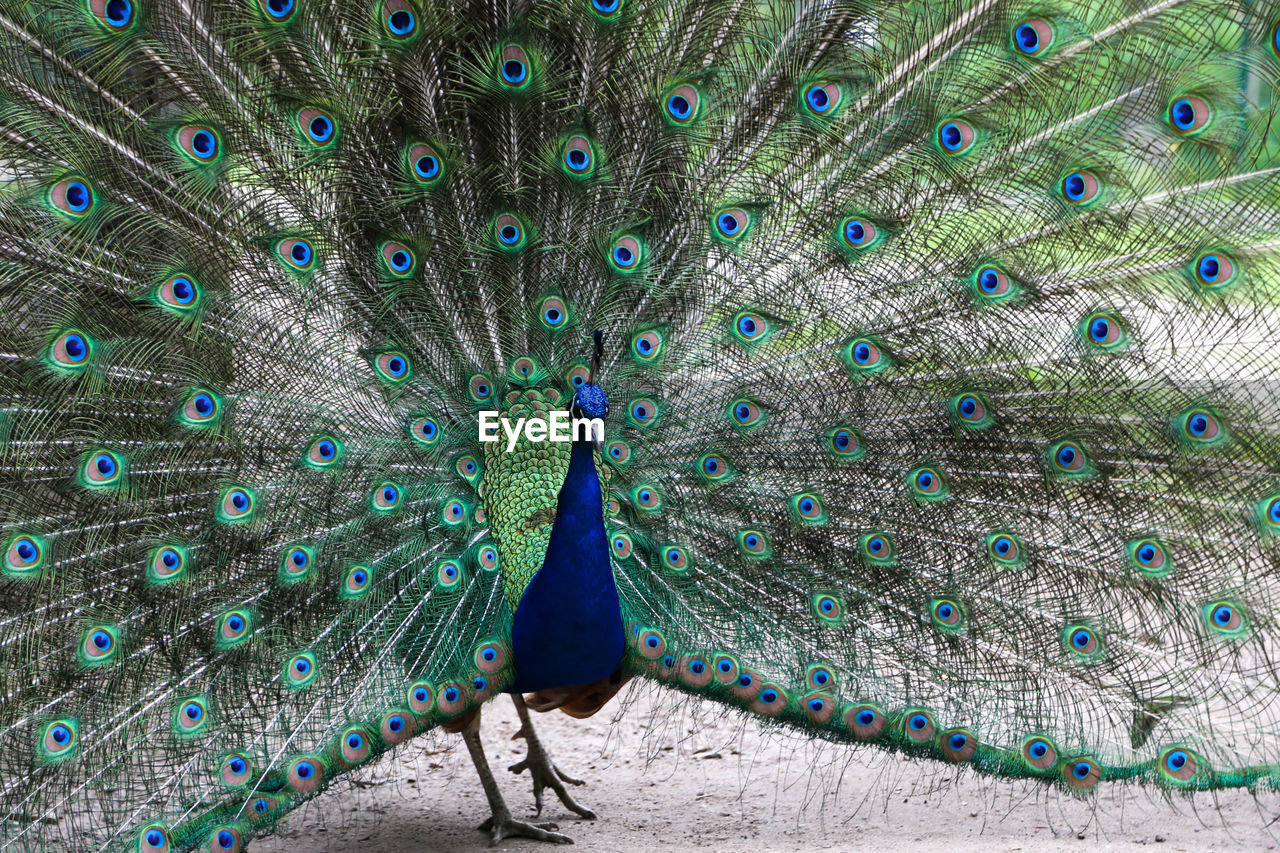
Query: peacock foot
x: 503, y: 825
x: 542, y: 769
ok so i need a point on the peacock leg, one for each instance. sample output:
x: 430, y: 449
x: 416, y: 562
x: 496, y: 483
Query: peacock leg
x: 502, y: 825
x: 544, y: 772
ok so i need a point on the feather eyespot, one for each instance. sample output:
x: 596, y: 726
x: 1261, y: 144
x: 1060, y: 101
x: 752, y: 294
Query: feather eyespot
x: 1189, y: 115
x: 1177, y: 765
x: 179, y: 293
x: 992, y: 284
x: 675, y: 558
x: 878, y: 548
x: 650, y: 643
x: 753, y: 544
x: 357, y: 583
x: 234, y: 627
x: 1103, y: 330
x: 622, y: 546
x: 295, y: 563
x: 823, y: 99
x: 618, y: 452
x: 828, y: 608
x: 72, y: 196
x: 1081, y: 773
x: 509, y: 231
x: 278, y: 11
x: 425, y: 164
x: 98, y: 645
x: 714, y: 469
x: 190, y: 717
x: 647, y: 346
x: 305, y: 774
x: 553, y: 313
x: 24, y: 555
x: 1080, y: 187
x: 487, y: 556
x: 1068, y: 460
x: 971, y: 411
x: 59, y: 739
x: 770, y: 701
x: 681, y: 104
x: 606, y: 8
x: 646, y: 498
x: 1225, y: 618
x: 448, y: 574
x: 356, y: 747
x: 918, y: 725
x: 865, y: 721
x: 296, y: 252
x: 694, y: 671
x: 1083, y: 642
x: 928, y: 484
x: 513, y: 67
x: 577, y: 156
x: 454, y: 512
x: 200, y: 143
x: 70, y: 351
x: 946, y: 615
x: 451, y: 700
x: 422, y: 697
x: 957, y: 745
x: 324, y: 451
x: 236, y: 504
x: 385, y: 496
x: 626, y: 254
x: 865, y: 357
x: 398, y: 259
x: 225, y: 839
x: 577, y: 376
x: 154, y: 838
x: 396, y: 727
x: 1005, y: 549
x: 1150, y: 557
x: 642, y: 412
x: 399, y: 20
x: 393, y: 367
x: 733, y: 223
x: 819, y: 677
x: 955, y: 137
x: 116, y: 15
x: 200, y: 409
x: 424, y: 431
x: 1200, y: 428
x: 858, y: 233
x: 479, y: 387
x: 746, y: 413
x: 235, y: 769
x: 102, y: 469
x: 1214, y: 270
x: 808, y: 508
x: 166, y: 563
x: 1033, y: 37
x: 300, y: 670
x: 845, y: 443
x: 491, y: 657
x: 318, y: 126
x: 1039, y: 753
x: 751, y: 327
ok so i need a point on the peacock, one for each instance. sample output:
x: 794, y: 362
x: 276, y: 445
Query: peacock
x: 917, y: 362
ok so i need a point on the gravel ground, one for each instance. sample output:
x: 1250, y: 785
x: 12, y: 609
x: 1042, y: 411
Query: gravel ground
x: 666, y: 772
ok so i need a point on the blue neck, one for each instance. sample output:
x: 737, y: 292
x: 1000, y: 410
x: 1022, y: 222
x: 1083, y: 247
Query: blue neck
x: 568, y: 625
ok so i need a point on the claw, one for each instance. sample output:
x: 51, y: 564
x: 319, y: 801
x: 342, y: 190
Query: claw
x: 544, y: 773
x: 502, y: 826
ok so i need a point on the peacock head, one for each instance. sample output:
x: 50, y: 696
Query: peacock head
x: 590, y: 401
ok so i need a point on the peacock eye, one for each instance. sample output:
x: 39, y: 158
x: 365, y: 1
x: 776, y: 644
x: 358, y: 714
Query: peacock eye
x: 681, y: 104
x: 955, y: 137
x: 1080, y: 188
x: 1189, y: 115
x: 115, y: 15
x: 318, y: 126
x: 513, y: 67
x: 199, y: 143
x: 1033, y: 37
x: 822, y: 99
x: 398, y: 18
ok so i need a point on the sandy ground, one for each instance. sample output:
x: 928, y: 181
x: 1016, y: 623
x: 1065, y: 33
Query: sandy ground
x: 674, y: 774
